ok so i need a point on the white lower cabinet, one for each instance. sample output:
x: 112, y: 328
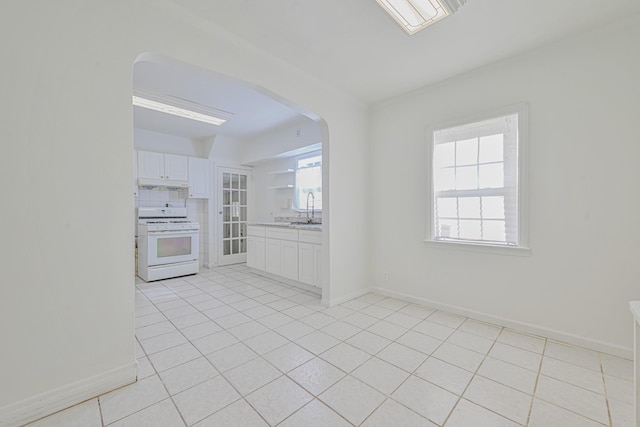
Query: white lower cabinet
x: 306, y: 263
x: 289, y: 259
x: 281, y: 250
x: 256, y: 247
x: 273, y: 253
x: 256, y: 252
x: 310, y: 258
x: 286, y: 252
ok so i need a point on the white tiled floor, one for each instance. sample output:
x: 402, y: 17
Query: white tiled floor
x: 230, y: 348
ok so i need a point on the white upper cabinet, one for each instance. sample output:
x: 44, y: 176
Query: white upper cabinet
x: 150, y: 165
x: 163, y: 166
x: 198, y: 178
x: 176, y: 167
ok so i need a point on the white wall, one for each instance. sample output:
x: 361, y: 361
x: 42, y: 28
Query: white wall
x: 158, y: 142
x: 227, y: 150
x: 583, y: 193
x: 66, y: 311
x: 270, y: 203
x: 290, y: 137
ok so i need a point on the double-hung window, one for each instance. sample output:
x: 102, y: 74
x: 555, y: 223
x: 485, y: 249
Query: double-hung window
x: 478, y: 182
x: 309, y: 180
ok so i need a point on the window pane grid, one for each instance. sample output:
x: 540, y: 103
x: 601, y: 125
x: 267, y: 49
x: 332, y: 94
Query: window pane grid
x: 464, y: 219
x: 475, y: 182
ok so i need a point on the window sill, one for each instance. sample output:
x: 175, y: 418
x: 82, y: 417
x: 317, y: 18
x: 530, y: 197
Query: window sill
x: 479, y: 248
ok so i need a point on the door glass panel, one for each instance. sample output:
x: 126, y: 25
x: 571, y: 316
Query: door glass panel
x: 234, y: 199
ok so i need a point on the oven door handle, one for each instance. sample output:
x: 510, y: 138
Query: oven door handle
x: 165, y: 232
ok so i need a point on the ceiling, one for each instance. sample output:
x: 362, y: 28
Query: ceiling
x: 253, y: 112
x: 355, y: 46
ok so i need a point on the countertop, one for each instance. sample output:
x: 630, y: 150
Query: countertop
x: 302, y: 226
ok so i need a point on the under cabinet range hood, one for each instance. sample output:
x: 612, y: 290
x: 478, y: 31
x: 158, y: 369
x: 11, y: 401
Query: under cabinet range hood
x: 162, y: 183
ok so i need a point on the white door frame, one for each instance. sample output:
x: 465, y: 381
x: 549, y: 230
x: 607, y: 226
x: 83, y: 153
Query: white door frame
x: 217, y: 217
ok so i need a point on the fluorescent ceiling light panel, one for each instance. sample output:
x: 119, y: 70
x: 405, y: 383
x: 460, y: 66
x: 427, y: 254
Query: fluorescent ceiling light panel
x: 180, y: 107
x: 415, y: 15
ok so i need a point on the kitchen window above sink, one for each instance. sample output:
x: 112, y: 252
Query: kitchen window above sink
x: 309, y: 180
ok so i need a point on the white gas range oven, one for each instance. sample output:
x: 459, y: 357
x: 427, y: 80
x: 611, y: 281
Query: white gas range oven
x: 168, y: 243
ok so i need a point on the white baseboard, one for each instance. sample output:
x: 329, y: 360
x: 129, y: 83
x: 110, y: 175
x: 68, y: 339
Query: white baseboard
x: 286, y: 281
x: 339, y: 300
x: 49, y: 402
x: 597, y: 345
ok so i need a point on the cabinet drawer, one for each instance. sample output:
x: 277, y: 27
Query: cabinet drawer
x: 257, y: 231
x: 307, y: 236
x: 282, y: 233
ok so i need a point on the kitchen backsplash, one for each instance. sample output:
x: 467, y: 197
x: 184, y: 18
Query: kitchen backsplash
x: 198, y: 211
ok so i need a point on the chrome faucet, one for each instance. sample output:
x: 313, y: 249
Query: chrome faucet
x: 313, y: 206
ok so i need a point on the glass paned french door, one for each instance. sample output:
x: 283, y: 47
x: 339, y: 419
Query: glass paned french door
x: 233, y: 196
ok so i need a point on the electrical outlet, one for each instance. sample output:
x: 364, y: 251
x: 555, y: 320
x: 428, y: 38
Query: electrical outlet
x: 385, y: 275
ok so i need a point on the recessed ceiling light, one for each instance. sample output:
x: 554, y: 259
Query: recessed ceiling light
x: 415, y: 15
x: 180, y: 107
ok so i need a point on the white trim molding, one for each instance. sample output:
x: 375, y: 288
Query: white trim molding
x: 339, y: 300
x: 521, y: 216
x: 553, y: 334
x: 49, y: 402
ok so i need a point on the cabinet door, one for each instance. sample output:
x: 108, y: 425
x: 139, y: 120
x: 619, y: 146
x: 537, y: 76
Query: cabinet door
x: 260, y: 253
x: 150, y: 165
x: 289, y: 255
x: 256, y: 252
x: 176, y: 167
x: 251, y: 252
x: 317, y: 266
x: 198, y: 178
x: 306, y: 263
x: 273, y: 256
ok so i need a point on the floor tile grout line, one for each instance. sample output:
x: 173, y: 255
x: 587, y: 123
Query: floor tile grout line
x: 219, y: 374
x: 222, y: 373
x: 172, y: 290
x: 535, y: 386
x: 460, y: 396
x: 170, y: 396
x: 310, y: 402
x: 378, y: 320
x: 606, y: 392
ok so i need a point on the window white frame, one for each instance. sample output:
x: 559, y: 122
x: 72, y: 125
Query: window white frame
x: 522, y: 110
x: 299, y: 204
